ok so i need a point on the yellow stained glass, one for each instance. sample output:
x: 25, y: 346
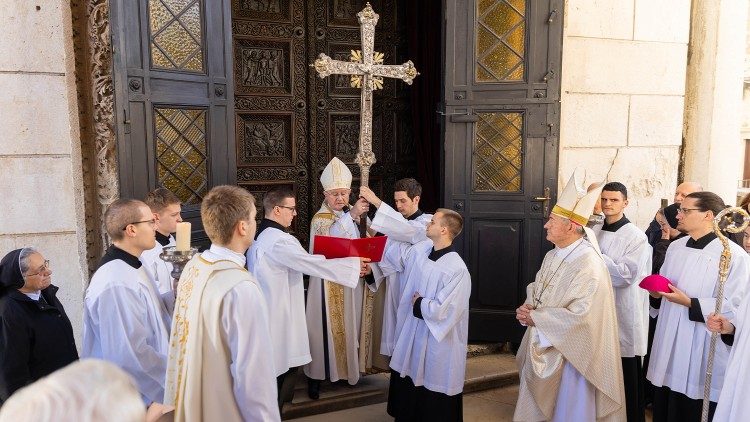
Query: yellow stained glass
x: 497, y: 158
x: 176, y: 35
x: 181, y: 153
x: 500, y: 41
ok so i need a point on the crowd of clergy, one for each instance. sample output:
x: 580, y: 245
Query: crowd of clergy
x: 228, y: 340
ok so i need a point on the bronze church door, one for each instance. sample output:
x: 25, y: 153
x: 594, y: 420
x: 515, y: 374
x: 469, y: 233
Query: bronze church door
x: 173, y: 91
x: 502, y: 92
x: 221, y: 91
x: 289, y: 122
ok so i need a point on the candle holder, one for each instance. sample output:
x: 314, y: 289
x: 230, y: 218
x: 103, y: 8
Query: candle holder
x: 178, y: 259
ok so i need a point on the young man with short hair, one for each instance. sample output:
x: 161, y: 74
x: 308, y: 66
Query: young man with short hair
x: 627, y: 254
x: 406, y: 225
x: 278, y: 261
x: 428, y: 362
x: 220, y: 364
x: 166, y: 208
x: 679, y: 352
x: 124, y: 319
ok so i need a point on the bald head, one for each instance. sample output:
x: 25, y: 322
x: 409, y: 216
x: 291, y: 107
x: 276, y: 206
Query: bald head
x: 684, y: 189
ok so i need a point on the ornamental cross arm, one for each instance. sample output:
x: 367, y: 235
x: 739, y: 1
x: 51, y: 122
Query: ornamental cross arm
x: 406, y: 72
x: 326, y: 66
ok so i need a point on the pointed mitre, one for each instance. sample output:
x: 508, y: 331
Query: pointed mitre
x: 574, y: 202
x: 336, y: 175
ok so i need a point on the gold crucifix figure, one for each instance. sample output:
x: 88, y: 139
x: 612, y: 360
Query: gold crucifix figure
x: 367, y: 72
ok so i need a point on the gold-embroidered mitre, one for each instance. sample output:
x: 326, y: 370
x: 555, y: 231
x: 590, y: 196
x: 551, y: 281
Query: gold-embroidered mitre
x: 574, y: 202
x: 336, y: 175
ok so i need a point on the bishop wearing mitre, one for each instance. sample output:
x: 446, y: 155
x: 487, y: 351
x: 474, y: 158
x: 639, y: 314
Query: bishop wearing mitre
x: 333, y: 310
x: 569, y: 358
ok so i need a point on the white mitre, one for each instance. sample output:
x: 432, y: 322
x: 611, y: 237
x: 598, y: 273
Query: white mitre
x: 576, y: 204
x: 336, y: 175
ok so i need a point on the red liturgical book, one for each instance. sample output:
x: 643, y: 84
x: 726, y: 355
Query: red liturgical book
x: 341, y: 247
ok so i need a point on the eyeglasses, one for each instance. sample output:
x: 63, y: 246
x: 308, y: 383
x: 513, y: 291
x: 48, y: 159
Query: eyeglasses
x: 292, y: 209
x: 41, y: 269
x: 686, y: 210
x: 152, y: 222
x: 339, y: 194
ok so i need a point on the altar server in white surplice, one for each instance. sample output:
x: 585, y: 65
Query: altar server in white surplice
x: 627, y: 254
x: 680, y: 349
x: 734, y: 405
x: 406, y: 225
x: 220, y: 359
x: 167, y: 209
x: 124, y: 316
x: 278, y: 261
x: 429, y: 358
x: 569, y: 359
x: 333, y: 311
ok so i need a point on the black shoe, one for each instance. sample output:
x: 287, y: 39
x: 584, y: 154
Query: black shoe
x: 313, y: 388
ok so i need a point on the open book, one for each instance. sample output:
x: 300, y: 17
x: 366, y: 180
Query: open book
x: 341, y: 247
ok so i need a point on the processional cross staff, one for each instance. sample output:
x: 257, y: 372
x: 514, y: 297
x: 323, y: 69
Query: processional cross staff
x: 366, y: 70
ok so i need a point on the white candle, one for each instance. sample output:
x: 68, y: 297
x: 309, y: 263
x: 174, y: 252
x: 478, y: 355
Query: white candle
x: 183, y: 237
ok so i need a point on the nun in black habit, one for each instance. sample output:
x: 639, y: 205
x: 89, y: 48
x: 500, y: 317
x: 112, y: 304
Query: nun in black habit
x: 36, y: 337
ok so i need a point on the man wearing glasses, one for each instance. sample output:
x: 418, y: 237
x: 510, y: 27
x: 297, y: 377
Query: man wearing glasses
x: 278, y: 261
x: 167, y: 210
x: 681, y: 341
x: 124, y: 316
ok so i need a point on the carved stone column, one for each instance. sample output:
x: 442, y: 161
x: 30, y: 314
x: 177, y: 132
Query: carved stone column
x: 93, y: 53
x: 712, y: 145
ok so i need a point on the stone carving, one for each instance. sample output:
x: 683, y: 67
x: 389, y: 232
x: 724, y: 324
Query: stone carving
x: 265, y: 139
x: 91, y: 35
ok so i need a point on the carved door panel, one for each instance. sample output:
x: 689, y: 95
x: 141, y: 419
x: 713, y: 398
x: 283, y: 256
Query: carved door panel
x: 270, y: 73
x: 335, y: 105
x: 172, y: 63
x: 502, y: 102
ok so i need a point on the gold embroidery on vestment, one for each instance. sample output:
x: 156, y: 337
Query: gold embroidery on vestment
x: 335, y: 302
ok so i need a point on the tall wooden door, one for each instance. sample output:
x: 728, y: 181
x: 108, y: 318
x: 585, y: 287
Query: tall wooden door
x: 502, y: 91
x: 289, y: 122
x: 173, y: 91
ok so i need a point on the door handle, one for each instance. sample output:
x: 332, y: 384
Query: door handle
x: 545, y: 200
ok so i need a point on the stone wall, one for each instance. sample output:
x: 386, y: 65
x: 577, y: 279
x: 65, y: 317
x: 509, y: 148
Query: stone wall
x: 623, y: 89
x: 40, y: 182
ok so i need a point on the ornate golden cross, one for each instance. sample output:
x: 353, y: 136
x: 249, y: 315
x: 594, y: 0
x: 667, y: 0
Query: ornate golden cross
x: 367, y: 72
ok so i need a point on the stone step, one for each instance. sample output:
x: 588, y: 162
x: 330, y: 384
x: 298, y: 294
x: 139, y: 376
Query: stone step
x: 483, y: 372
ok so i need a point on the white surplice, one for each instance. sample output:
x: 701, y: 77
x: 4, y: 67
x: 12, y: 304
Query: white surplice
x: 680, y: 348
x: 734, y: 405
x: 124, y: 323
x: 244, y: 322
x: 278, y: 261
x: 432, y: 350
x: 338, y: 224
x: 413, y: 230
x: 161, y: 272
x: 627, y: 254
